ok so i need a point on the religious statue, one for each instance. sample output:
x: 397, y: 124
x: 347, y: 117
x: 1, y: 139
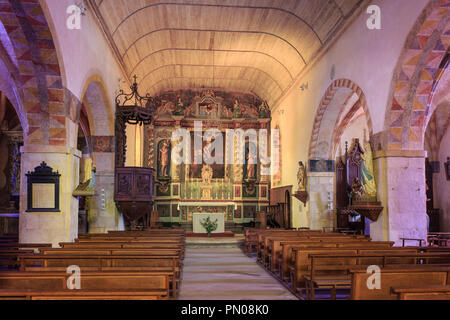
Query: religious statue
x: 264, y: 111
x: 367, y: 175
x: 357, y: 189
x: 301, y: 177
x: 164, y: 158
x: 237, y: 109
x: 207, y: 174
x: 206, y: 187
x: 179, y: 108
x: 251, y: 164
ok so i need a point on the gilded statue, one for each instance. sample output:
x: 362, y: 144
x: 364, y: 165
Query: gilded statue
x: 301, y: 174
x: 367, y: 175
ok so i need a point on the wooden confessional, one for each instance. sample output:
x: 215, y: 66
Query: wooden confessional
x: 351, y: 208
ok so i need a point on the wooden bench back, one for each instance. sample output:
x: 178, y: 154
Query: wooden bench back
x: 396, y: 278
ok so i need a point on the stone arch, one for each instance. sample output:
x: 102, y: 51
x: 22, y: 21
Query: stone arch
x: 326, y: 130
x: 98, y: 106
x: 39, y: 72
x: 417, y: 73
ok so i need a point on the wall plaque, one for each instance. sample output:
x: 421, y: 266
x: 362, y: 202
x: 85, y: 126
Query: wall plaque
x: 43, y: 189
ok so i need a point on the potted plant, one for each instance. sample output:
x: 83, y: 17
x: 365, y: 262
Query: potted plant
x: 209, y: 225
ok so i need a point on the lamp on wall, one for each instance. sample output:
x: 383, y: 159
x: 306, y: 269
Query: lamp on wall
x: 304, y: 86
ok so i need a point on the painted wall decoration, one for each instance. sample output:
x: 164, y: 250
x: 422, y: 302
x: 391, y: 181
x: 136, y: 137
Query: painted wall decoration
x: 321, y: 165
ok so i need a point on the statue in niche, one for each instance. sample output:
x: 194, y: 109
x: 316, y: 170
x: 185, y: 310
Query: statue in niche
x: 206, y: 187
x: 163, y: 158
x: 357, y: 190
x: 179, y: 108
x: 249, y: 111
x: 264, y: 111
x: 237, y: 109
x: 301, y: 174
x: 251, y: 160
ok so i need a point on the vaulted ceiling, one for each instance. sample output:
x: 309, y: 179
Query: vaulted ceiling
x: 251, y: 46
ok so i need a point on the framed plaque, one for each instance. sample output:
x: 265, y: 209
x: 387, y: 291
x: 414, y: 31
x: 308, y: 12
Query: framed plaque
x: 43, y: 189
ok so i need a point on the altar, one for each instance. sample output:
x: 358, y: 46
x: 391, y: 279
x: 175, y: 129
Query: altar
x: 198, y: 217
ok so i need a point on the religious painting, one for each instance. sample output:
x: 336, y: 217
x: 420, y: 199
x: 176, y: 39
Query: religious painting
x: 251, y: 160
x: 164, y: 150
x: 195, y: 169
x: 208, y: 110
x: 102, y: 144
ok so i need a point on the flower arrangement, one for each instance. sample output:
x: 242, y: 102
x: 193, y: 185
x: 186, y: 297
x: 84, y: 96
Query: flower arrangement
x: 209, y: 225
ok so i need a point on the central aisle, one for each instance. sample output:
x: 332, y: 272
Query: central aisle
x: 221, y: 273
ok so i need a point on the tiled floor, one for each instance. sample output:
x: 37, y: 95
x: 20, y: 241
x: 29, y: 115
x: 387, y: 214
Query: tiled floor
x: 224, y: 273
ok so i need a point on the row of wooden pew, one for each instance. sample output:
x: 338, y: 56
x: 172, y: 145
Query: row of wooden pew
x: 315, y: 264
x: 141, y: 265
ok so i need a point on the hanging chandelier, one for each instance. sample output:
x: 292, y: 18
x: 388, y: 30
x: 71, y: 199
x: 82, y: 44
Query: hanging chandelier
x: 134, y: 108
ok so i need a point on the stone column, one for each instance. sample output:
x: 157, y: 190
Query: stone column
x: 103, y: 213
x: 401, y: 190
x: 321, y: 194
x: 54, y: 227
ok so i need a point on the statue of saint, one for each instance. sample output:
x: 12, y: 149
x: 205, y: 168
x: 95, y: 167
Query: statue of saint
x: 164, y: 158
x: 368, y: 180
x: 179, y: 108
x: 207, y: 174
x: 357, y: 189
x: 301, y: 177
x: 237, y: 109
x: 251, y: 164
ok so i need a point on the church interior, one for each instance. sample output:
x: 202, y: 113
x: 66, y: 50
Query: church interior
x: 233, y: 149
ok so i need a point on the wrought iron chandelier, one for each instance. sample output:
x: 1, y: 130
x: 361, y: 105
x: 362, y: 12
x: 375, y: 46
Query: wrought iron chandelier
x: 135, y: 109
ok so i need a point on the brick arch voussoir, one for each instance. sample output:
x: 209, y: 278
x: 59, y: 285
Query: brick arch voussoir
x: 40, y: 76
x: 326, y: 100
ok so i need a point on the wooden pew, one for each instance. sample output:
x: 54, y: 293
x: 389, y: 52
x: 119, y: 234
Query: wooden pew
x: 329, y: 270
x: 422, y: 293
x: 21, y: 294
x: 8, y: 258
x: 166, y: 252
x: 57, y: 281
x: 415, y: 276
x: 302, y: 260
x: 287, y: 256
x: 271, y: 253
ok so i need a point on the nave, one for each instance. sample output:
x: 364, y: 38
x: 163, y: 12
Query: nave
x: 226, y: 273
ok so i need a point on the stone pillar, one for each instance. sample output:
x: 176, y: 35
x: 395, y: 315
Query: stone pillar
x: 103, y: 213
x: 321, y: 199
x: 54, y: 227
x: 401, y: 190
